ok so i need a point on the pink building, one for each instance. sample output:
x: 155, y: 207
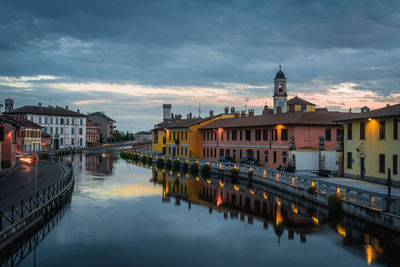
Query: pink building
x: 8, y: 128
x: 304, y: 140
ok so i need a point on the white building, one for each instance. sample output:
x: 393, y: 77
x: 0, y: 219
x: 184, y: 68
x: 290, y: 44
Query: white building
x: 66, y: 127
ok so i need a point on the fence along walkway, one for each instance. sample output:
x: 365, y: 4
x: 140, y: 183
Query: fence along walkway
x: 22, y: 213
x: 356, y: 201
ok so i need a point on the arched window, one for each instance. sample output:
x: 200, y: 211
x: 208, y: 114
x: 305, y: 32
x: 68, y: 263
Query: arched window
x: 266, y: 156
x: 284, y: 157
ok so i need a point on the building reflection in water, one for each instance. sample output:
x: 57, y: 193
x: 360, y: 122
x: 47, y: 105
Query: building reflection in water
x: 247, y: 204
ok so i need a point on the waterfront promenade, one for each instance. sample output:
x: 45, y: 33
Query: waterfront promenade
x: 20, y: 182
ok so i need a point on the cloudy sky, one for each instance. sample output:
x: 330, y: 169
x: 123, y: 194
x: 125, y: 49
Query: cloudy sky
x: 127, y: 57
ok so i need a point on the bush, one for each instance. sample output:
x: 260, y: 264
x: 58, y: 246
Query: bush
x: 176, y: 165
x: 144, y: 159
x: 235, y: 173
x: 160, y: 163
x: 194, y: 169
x: 135, y: 157
x: 185, y: 167
x: 205, y: 171
x: 335, y: 206
x: 169, y: 164
x: 150, y: 160
x: 312, y: 189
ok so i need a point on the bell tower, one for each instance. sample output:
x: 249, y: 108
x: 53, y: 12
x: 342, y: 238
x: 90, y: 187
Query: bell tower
x: 280, y: 94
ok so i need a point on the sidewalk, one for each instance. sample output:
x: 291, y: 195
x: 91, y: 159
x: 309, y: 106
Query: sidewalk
x: 363, y: 185
x: 19, y: 183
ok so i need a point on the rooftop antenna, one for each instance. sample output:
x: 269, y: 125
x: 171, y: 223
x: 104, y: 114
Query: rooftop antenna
x: 189, y: 108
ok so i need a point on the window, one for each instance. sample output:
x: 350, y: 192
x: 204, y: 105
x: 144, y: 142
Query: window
x: 349, y: 160
x: 62, y: 130
x: 186, y: 150
x: 349, y: 131
x: 274, y: 134
x: 222, y: 136
x: 182, y: 150
x: 80, y: 141
x: 221, y: 152
x: 185, y: 135
x: 73, y: 141
x: 362, y: 130
x: 51, y: 130
x: 382, y: 163
x: 73, y: 121
x: 80, y: 131
x: 67, y: 122
x: 204, y: 152
x: 61, y: 121
x: 284, y: 134
x: 182, y: 135
x: 1, y: 133
x: 240, y: 154
x: 215, y: 152
x: 204, y: 136
x: 56, y: 120
x: 40, y: 120
x: 227, y: 135
x: 81, y: 122
x: 169, y: 150
x: 227, y: 152
x: 265, y: 134
x: 208, y: 136
x: 62, y: 141
x: 241, y: 135
x: 274, y: 156
x: 208, y: 152
x: 284, y: 157
x: 173, y: 135
x: 258, y: 155
x: 234, y: 135
x: 56, y: 130
x: 45, y: 120
x: 51, y: 120
x: 215, y: 136
x: 382, y: 130
x: 45, y: 129
x: 395, y: 129
x: 248, y: 135
x: 266, y: 156
x: 32, y: 118
x: 328, y: 135
x: 258, y: 135
x: 394, y: 164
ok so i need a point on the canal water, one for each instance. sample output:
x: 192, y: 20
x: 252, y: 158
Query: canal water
x: 125, y: 214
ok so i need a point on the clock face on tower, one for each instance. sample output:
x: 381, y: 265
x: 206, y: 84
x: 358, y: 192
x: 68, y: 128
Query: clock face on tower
x: 280, y: 103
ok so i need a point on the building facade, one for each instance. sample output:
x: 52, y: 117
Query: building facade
x: 92, y: 133
x: 306, y: 141
x: 29, y: 137
x: 105, y: 123
x: 372, y: 145
x: 8, y: 141
x: 66, y: 127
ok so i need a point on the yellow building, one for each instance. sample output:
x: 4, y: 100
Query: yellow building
x: 158, y: 143
x: 183, y: 138
x: 372, y: 145
x: 299, y: 104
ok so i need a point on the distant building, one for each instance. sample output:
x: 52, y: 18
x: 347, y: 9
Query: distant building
x: 142, y: 136
x: 105, y: 123
x: 372, y: 144
x: 46, y: 142
x: 29, y: 137
x: 66, y: 127
x: 92, y: 133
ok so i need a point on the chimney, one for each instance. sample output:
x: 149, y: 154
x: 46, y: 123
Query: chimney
x: 226, y: 110
x: 78, y: 111
x: 237, y: 114
x: 66, y: 107
x: 40, y: 104
x: 9, y: 105
x: 211, y: 113
x: 167, y: 112
x: 251, y: 112
x: 187, y: 116
x: 190, y: 115
x: 232, y: 110
x: 243, y: 113
x: 364, y: 109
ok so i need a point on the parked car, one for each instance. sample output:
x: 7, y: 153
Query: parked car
x: 246, y: 160
x: 287, y: 168
x: 226, y: 159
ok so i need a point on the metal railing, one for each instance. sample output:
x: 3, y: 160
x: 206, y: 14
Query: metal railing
x: 299, y: 183
x: 20, y: 214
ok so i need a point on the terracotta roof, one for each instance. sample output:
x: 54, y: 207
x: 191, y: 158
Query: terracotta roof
x: 321, y: 109
x: 10, y: 121
x: 189, y: 122
x: 290, y: 118
x: 299, y: 101
x: 41, y: 110
x: 101, y: 114
x: 388, y: 111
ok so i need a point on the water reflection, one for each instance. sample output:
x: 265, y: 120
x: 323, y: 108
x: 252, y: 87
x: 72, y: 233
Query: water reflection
x: 249, y: 202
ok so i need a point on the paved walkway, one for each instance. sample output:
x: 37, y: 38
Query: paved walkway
x: 20, y: 182
x: 363, y: 185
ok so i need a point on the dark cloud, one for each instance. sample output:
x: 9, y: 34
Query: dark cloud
x: 199, y: 43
